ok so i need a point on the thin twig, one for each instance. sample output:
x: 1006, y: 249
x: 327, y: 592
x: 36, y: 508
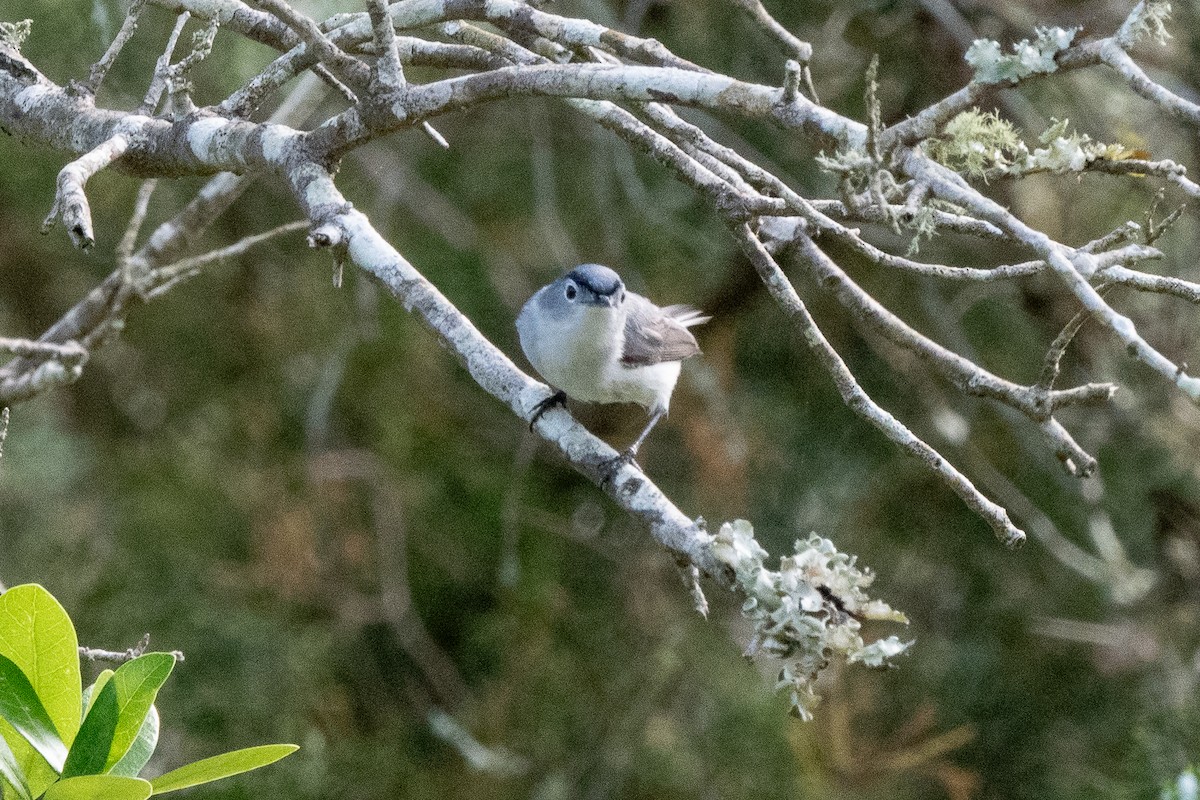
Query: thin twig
x: 167, y: 277
x: 158, y: 81
x: 100, y: 69
x: 122, y: 656
x: 141, y: 207
x: 178, y: 88
x: 4, y: 417
x: 791, y: 45
x: 854, y: 396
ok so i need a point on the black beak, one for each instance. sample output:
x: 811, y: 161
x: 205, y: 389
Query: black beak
x: 610, y: 300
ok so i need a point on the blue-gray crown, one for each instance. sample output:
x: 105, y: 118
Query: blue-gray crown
x: 597, y: 278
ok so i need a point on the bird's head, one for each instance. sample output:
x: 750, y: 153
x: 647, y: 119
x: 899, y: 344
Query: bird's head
x: 590, y: 285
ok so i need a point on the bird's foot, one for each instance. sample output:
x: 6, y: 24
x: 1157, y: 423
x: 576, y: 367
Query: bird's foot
x: 614, y: 465
x: 559, y: 398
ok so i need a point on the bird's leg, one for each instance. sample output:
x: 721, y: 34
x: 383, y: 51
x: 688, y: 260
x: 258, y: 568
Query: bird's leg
x: 627, y: 457
x: 559, y: 398
x: 633, y: 448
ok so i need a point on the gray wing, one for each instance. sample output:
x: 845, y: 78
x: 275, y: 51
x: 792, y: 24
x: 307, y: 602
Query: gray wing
x: 654, y: 335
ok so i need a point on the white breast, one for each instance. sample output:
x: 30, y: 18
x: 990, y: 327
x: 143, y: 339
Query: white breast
x: 575, y: 352
x: 649, y: 386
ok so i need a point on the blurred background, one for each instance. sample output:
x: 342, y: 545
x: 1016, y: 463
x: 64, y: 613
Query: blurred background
x: 360, y: 551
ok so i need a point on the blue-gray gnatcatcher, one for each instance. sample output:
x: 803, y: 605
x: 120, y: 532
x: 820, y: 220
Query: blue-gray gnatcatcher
x: 594, y: 341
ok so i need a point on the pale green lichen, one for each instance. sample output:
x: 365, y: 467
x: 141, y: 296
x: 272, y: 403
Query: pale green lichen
x: 854, y: 163
x: 14, y: 34
x: 924, y: 223
x: 1063, y: 150
x: 1146, y: 19
x: 993, y: 65
x: 808, y: 611
x: 976, y: 144
x: 982, y: 145
x: 864, y: 178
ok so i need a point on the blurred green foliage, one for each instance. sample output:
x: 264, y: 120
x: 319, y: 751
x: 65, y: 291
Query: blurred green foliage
x: 298, y: 488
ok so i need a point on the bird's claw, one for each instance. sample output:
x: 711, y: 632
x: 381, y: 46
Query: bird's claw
x: 559, y: 398
x: 614, y: 465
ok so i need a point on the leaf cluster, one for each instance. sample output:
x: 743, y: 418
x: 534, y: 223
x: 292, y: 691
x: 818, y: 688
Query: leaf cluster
x: 59, y: 741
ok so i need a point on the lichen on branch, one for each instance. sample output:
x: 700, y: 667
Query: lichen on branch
x: 807, y: 612
x: 993, y: 65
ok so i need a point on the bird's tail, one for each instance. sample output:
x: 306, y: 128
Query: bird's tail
x: 687, y: 316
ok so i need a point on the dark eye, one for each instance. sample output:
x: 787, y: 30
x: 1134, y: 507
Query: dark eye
x: 622, y: 295
x: 571, y: 291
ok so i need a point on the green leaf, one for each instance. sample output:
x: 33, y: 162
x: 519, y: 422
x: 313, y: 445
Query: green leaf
x: 90, y: 692
x: 11, y: 771
x: 222, y: 766
x: 21, y: 708
x: 99, y: 787
x: 137, y: 683
x: 142, y: 748
x: 37, y: 634
x: 89, y: 752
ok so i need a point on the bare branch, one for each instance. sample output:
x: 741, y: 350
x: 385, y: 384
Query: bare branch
x: 496, y: 374
x: 100, y: 68
x: 592, y: 82
x: 388, y: 72
x: 121, y: 656
x: 70, y: 201
x: 165, y: 278
x: 789, y: 43
x: 348, y: 68
x: 1158, y: 284
x: 854, y: 396
x: 1075, y: 460
x: 141, y: 207
x: 1052, y: 363
x: 691, y: 580
x: 70, y: 352
x: 178, y: 88
x: 158, y: 82
x: 1176, y: 173
x: 234, y: 14
x: 1072, y: 266
x: 540, y: 54
x: 1116, y: 57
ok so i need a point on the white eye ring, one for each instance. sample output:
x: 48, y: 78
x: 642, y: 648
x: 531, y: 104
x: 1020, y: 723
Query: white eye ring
x: 571, y: 291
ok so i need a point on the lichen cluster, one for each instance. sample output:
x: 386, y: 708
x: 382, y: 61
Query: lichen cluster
x: 993, y: 65
x: 982, y: 145
x: 14, y: 34
x: 808, y: 611
x: 1146, y: 19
